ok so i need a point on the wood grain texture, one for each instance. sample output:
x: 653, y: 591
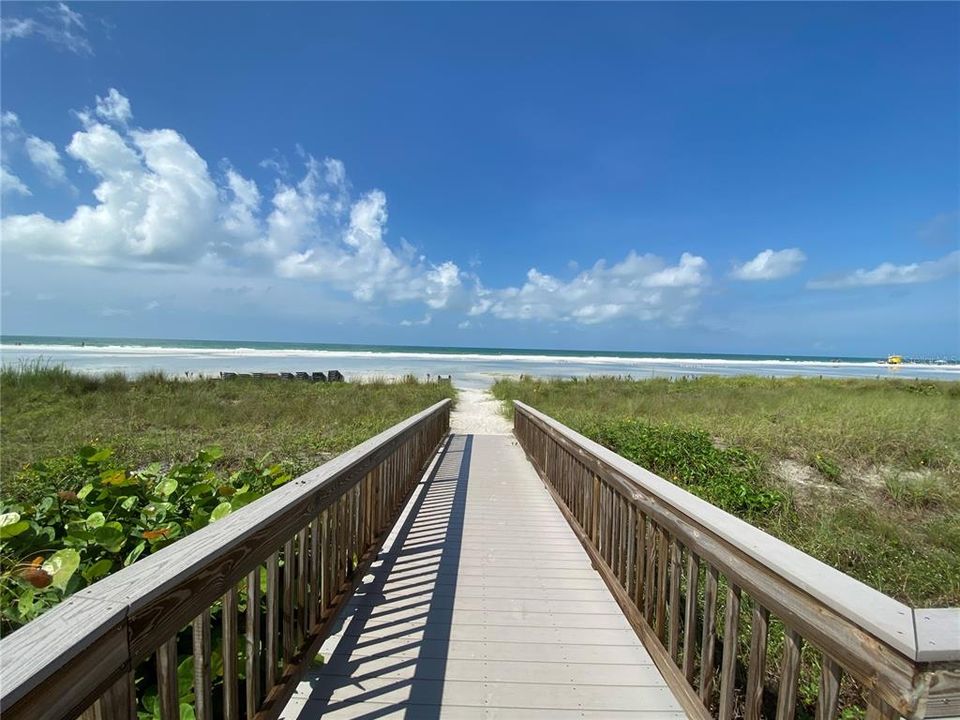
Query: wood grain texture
x: 202, y: 682
x: 663, y: 562
x: 690, y: 617
x: 829, y: 689
x: 229, y: 648
x: 673, y: 640
x: 728, y: 665
x: 708, y: 639
x: 789, y: 674
x: 252, y: 643
x: 45, y: 666
x: 756, y: 665
x: 167, y: 689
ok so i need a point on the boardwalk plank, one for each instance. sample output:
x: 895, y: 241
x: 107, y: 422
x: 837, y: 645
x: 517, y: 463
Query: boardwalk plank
x: 459, y: 617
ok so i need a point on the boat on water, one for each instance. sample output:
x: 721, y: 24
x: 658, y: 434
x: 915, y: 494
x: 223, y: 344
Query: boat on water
x: 894, y: 359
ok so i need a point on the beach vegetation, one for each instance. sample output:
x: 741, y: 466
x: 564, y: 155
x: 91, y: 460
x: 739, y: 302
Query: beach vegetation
x: 862, y: 474
x: 100, y: 471
x: 49, y: 412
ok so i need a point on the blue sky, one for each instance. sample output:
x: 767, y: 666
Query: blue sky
x: 778, y: 178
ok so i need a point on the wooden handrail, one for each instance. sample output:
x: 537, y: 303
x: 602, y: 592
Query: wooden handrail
x: 667, y: 554
x: 311, y: 539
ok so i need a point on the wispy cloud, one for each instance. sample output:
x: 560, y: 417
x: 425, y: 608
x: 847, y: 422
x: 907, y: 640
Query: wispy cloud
x: 890, y: 274
x: 770, y: 265
x: 425, y: 320
x: 58, y: 24
x: 11, y: 184
x: 45, y: 157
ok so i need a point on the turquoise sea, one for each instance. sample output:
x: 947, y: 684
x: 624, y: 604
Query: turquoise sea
x: 470, y: 366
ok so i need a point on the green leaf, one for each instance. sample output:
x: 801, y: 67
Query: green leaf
x: 129, y: 502
x: 186, y: 712
x: 238, y: 501
x: 9, y: 531
x: 221, y: 511
x: 110, y: 536
x: 25, y: 602
x: 185, y: 677
x: 62, y: 565
x: 167, y: 487
x: 97, y: 570
x: 210, y: 454
x: 135, y: 553
x: 117, y: 478
x: 201, y: 489
x: 84, y: 491
x: 100, y: 455
x: 10, y: 518
x: 96, y: 520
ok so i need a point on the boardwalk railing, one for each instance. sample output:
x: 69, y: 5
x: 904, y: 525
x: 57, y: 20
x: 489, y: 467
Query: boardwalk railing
x: 226, y: 619
x: 738, y: 622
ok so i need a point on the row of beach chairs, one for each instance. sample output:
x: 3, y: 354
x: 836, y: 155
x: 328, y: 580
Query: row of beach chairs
x: 330, y: 376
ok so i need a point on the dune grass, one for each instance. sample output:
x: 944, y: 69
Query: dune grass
x: 50, y: 411
x: 862, y: 474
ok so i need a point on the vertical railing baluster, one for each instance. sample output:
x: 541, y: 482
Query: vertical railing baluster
x: 759, y: 627
x: 228, y: 652
x: 272, y: 625
x: 789, y: 673
x: 673, y: 638
x: 731, y: 626
x: 252, y: 640
x: 663, y: 561
x: 829, y: 688
x: 690, y: 616
x: 168, y: 693
x: 201, y: 666
x: 289, y: 563
x: 708, y: 639
x: 301, y: 594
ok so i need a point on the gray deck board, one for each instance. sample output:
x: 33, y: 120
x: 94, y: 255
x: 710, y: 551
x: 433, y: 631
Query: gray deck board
x: 483, y: 604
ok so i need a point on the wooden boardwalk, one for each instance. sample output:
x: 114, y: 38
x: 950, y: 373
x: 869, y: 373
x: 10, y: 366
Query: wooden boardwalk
x: 483, y: 603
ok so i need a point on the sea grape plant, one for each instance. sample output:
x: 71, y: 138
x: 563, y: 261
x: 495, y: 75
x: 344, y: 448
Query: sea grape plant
x: 109, y: 518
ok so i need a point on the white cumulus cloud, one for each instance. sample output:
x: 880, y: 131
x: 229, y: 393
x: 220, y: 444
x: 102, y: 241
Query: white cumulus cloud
x: 114, y: 107
x: 770, y: 265
x: 159, y: 205
x: 889, y: 274
x: 640, y: 287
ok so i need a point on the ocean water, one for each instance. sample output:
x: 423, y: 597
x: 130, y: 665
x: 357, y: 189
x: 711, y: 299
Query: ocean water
x: 470, y: 367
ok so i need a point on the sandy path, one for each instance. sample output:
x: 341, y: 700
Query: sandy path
x: 478, y: 412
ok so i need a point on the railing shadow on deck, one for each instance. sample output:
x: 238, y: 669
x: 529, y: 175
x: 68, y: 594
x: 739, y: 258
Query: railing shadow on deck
x: 414, y: 615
